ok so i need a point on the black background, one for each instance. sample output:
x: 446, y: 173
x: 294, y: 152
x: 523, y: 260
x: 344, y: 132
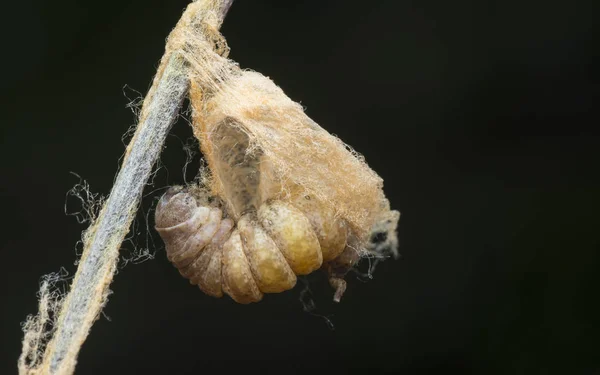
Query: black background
x: 478, y: 115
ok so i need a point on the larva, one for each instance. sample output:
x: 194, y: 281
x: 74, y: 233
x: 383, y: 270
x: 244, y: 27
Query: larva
x: 263, y: 253
x: 281, y: 197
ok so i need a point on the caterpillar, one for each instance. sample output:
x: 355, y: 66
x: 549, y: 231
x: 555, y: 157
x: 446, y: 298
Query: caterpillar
x: 264, y: 251
x: 281, y: 196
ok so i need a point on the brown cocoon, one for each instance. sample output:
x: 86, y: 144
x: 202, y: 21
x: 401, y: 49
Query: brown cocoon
x: 279, y: 152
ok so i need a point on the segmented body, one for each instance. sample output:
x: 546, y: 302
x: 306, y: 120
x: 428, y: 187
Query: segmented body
x: 261, y: 253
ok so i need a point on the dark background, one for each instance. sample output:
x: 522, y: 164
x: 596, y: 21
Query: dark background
x: 478, y: 115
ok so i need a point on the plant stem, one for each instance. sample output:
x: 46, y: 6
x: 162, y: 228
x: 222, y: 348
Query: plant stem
x: 87, y: 295
x: 103, y: 239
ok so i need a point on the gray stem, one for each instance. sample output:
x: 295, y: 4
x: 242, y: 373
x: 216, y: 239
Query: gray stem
x: 88, y: 291
x: 225, y: 5
x: 116, y: 217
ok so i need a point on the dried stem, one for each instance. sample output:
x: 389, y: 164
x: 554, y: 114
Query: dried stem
x: 103, y: 239
x: 88, y: 291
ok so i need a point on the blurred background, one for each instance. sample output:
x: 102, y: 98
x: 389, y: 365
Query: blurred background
x: 478, y: 115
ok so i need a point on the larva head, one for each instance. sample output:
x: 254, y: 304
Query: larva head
x: 180, y: 213
x: 174, y: 207
x: 179, y: 204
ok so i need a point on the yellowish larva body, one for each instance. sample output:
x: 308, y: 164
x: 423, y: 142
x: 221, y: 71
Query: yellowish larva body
x: 293, y: 234
x: 261, y: 253
x: 269, y: 267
